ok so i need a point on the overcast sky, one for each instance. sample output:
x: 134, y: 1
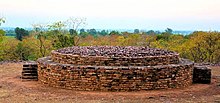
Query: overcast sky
x: 116, y: 14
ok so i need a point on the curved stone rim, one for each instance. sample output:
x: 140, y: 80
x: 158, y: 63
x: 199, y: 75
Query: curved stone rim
x: 49, y: 60
x: 58, y: 53
x: 114, y: 61
x: 59, y: 75
x: 68, y: 58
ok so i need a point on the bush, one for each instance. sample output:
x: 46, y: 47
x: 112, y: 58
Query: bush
x: 8, y: 49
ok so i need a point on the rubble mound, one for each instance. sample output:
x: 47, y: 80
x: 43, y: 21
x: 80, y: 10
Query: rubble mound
x: 115, y: 51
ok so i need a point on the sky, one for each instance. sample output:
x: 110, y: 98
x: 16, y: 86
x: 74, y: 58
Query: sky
x: 116, y: 14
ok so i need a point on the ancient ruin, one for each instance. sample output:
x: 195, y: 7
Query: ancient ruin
x: 114, y: 68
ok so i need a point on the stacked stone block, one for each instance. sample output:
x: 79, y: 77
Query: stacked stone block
x: 114, y: 56
x: 202, y: 74
x: 114, y: 73
x: 114, y: 61
x: 29, y: 71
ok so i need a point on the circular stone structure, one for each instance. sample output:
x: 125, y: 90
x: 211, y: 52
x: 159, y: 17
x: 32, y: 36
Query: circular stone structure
x: 114, y: 68
x: 114, y: 56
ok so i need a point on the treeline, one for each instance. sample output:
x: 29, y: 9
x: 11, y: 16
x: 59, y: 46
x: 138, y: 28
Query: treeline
x: 94, y: 32
x: 30, y: 45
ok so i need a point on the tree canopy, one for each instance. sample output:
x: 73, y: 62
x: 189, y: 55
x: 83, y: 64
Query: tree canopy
x: 20, y: 33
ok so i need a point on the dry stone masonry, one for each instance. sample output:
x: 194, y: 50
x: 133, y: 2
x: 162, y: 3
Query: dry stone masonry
x: 30, y: 72
x: 114, y: 68
x: 114, y: 56
x: 202, y: 74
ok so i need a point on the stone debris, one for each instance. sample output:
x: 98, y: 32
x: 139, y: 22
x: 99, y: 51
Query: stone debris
x: 115, y: 51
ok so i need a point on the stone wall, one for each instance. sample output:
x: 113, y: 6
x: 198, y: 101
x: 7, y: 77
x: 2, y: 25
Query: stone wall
x: 114, y: 61
x: 114, y: 78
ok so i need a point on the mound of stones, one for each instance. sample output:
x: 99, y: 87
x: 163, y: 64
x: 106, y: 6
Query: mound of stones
x: 114, y: 68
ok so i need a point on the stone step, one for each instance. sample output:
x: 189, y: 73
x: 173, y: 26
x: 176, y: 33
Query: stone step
x: 29, y: 74
x: 29, y: 80
x: 30, y: 66
x: 29, y: 77
x: 27, y: 68
x: 29, y: 71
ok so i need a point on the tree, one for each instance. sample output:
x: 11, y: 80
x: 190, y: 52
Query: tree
x: 8, y: 49
x: 92, y: 32
x: 151, y: 32
x: 202, y: 47
x: 57, y: 26
x: 2, y: 20
x: 58, y: 35
x: 165, y: 35
x: 41, y: 36
x: 169, y: 31
x: 136, y: 31
x: 212, y: 41
x: 22, y: 52
x: 73, y: 32
x: 34, y: 48
x: 74, y: 25
x: 114, y: 33
x: 103, y: 32
x: 2, y: 32
x: 83, y: 33
x: 150, y: 39
x: 20, y: 33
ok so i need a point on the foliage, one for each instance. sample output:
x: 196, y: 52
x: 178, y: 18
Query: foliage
x: 20, y: 33
x: 63, y: 41
x: 83, y: 33
x: 63, y: 38
x: 202, y: 47
x: 92, y: 32
x: 8, y: 49
x: 198, y: 46
x: 136, y: 31
x: 169, y: 31
x: 114, y: 33
x: 76, y: 23
x: 22, y: 52
x: 151, y: 32
x: 2, y: 34
x: 35, y: 46
x: 103, y: 33
x: 2, y: 20
x: 59, y: 36
x: 39, y: 32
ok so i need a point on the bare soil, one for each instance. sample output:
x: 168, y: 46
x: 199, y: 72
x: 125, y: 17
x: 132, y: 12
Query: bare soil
x: 14, y: 90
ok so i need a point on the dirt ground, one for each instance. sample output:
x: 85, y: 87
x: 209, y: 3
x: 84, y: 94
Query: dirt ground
x: 14, y: 90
